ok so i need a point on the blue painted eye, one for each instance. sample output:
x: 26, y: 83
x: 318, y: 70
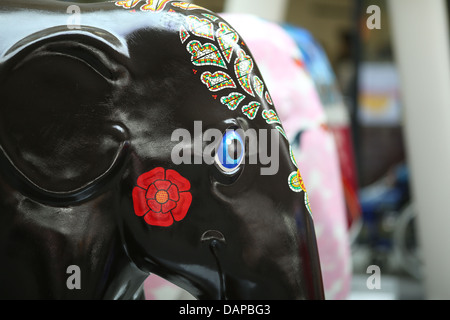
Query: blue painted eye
x: 230, y: 153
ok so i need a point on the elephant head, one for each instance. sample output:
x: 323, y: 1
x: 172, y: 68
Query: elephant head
x: 103, y: 136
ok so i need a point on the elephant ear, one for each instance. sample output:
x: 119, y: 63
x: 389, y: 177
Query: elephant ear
x: 59, y: 141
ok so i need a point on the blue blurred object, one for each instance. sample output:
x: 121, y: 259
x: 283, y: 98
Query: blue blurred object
x: 317, y: 64
x: 382, y: 200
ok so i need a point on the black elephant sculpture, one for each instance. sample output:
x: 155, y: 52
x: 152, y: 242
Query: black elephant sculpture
x: 107, y: 171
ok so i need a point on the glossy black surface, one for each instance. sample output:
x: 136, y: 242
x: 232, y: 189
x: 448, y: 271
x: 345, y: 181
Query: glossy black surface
x: 83, y: 113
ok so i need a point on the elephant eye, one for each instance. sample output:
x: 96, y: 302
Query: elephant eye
x: 230, y: 153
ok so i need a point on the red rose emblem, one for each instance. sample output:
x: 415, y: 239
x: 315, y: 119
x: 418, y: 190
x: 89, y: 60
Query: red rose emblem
x: 162, y: 197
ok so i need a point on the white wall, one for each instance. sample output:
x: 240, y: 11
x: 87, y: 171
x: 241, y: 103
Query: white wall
x: 420, y: 31
x: 267, y: 9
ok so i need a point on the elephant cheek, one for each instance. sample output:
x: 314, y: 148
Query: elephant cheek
x: 182, y: 206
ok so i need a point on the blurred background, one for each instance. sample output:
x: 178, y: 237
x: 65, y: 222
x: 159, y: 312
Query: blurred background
x: 383, y: 82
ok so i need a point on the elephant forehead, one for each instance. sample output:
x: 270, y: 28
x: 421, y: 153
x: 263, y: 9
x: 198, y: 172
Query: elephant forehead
x: 197, y: 69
